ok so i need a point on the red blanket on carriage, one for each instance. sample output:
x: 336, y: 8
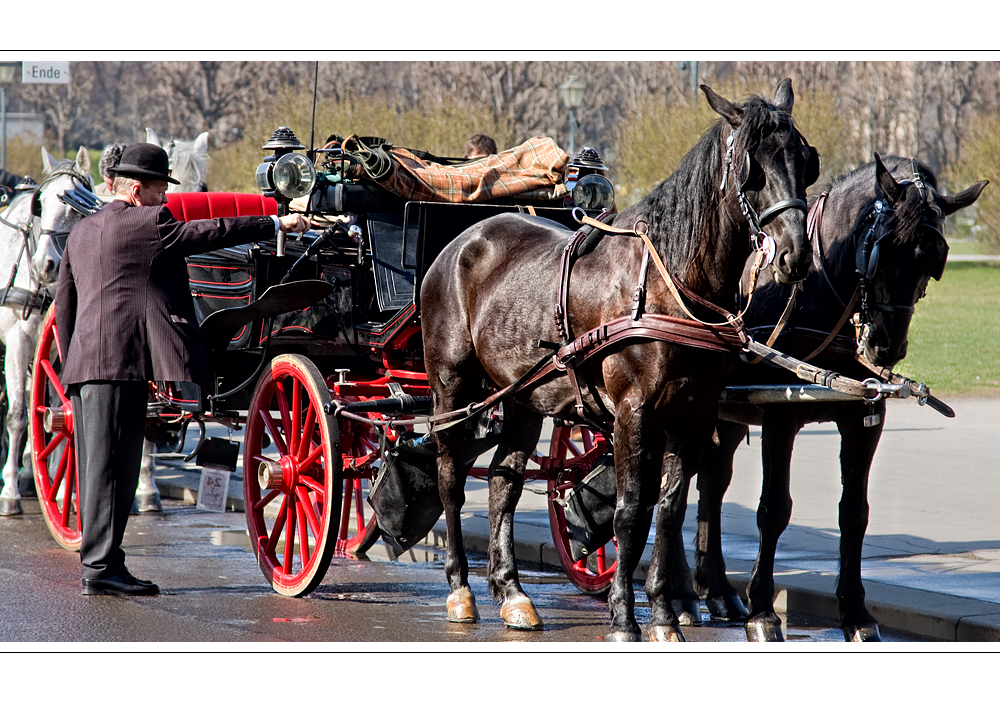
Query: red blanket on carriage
x: 533, y: 169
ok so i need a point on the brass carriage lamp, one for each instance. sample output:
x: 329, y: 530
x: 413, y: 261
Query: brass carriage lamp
x: 572, y: 97
x: 285, y: 175
x: 7, y: 73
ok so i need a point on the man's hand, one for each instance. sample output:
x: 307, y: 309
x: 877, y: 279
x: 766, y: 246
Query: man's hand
x: 294, y: 223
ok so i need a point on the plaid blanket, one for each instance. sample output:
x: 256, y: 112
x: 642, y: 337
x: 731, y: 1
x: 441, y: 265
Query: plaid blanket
x: 530, y: 170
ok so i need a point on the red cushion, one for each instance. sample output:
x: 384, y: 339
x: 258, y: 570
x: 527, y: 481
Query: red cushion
x: 204, y: 206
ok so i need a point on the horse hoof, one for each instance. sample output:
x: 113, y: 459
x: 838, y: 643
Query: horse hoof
x: 622, y: 636
x: 687, y: 610
x: 666, y: 633
x: 10, y: 506
x: 764, y: 630
x: 520, y: 614
x: 727, y: 608
x: 462, y: 606
x: 149, y: 503
x: 864, y: 633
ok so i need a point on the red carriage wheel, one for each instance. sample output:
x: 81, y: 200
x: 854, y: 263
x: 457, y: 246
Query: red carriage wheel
x: 53, y: 454
x: 359, y: 448
x: 593, y: 574
x: 293, y: 489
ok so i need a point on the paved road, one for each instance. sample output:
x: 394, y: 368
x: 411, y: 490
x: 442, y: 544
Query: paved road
x: 932, y: 552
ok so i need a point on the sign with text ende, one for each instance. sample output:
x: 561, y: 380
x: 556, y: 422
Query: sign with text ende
x: 45, y: 71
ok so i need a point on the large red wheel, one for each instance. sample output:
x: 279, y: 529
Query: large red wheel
x: 593, y: 574
x: 293, y: 489
x: 53, y: 454
x: 359, y: 448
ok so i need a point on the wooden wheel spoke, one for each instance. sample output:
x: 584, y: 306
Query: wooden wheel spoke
x: 300, y: 513
x: 289, y: 509
x: 53, y: 377
x: 286, y: 421
x: 70, y: 485
x: 314, y: 485
x: 296, y: 429
x: 51, y: 446
x: 309, y: 426
x: 279, y: 442
x: 279, y: 524
x: 266, y: 499
x: 308, y: 510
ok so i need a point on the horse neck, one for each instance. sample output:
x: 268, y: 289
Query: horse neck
x: 845, y: 203
x: 11, y: 251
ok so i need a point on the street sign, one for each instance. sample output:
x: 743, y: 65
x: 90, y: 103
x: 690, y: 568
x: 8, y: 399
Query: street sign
x: 45, y: 71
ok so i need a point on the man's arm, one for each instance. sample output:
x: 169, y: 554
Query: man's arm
x: 65, y: 303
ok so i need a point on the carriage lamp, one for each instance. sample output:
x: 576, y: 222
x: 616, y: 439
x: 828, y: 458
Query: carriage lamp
x: 594, y: 192
x: 285, y: 174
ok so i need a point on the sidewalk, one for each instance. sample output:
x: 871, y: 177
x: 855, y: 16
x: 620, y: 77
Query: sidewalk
x: 932, y: 552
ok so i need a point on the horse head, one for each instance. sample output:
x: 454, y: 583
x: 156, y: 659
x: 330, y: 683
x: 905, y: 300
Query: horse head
x: 768, y: 165
x: 51, y: 218
x: 188, y: 161
x: 900, y: 246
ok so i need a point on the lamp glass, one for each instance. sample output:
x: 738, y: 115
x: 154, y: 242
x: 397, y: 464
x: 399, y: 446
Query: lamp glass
x: 572, y: 92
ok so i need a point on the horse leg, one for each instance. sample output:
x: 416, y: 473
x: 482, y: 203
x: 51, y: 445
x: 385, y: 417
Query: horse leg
x: 683, y: 598
x: 518, y: 438
x: 664, y: 625
x: 714, y: 477
x: 637, y: 441
x: 17, y: 358
x: 147, y: 495
x: 857, y: 450
x: 773, y: 514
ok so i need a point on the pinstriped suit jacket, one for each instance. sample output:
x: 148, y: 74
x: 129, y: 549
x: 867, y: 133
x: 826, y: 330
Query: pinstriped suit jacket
x: 123, y: 306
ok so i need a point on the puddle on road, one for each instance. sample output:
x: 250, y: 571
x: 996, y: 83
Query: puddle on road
x: 230, y: 538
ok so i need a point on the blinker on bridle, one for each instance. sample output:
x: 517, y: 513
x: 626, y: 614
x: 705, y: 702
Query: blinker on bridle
x: 760, y: 239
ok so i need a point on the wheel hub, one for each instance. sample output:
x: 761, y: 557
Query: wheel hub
x: 277, y: 474
x: 58, y: 419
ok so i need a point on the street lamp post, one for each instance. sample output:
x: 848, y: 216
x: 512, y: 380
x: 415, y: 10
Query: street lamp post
x: 691, y: 66
x: 572, y: 97
x: 7, y: 71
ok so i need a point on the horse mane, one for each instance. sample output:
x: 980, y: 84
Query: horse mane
x: 906, y: 218
x: 682, y: 210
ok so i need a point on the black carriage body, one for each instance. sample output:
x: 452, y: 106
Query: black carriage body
x: 370, y: 321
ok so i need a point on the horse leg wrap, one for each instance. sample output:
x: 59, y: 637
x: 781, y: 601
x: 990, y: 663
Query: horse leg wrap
x: 462, y: 606
x: 519, y: 614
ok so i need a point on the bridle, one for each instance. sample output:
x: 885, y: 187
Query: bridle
x: 759, y: 239
x: 31, y: 232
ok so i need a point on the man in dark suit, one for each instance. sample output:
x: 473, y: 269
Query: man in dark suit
x: 125, y: 317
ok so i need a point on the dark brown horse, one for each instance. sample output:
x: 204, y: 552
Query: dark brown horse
x: 488, y: 300
x: 877, y: 245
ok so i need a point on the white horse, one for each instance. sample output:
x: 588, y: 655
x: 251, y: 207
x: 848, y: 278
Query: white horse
x: 188, y: 165
x: 188, y: 161
x: 29, y: 264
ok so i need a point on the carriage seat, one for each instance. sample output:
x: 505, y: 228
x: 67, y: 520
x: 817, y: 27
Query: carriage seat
x: 204, y: 206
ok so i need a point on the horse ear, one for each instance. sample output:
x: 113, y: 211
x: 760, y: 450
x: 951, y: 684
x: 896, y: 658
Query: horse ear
x: 48, y: 162
x: 83, y: 160
x: 784, y: 98
x: 201, y: 143
x: 151, y: 138
x: 886, y: 182
x: 728, y: 110
x: 954, y: 203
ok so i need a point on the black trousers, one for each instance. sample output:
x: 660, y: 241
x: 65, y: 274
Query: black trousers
x: 108, y: 423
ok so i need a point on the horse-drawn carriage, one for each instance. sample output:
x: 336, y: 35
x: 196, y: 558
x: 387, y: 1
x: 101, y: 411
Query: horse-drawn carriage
x: 332, y: 324
x: 331, y: 353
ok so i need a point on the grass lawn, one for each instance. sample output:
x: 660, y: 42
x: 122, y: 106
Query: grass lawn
x: 955, y: 333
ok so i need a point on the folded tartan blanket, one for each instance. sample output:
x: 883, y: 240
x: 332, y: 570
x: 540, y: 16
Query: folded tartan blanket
x: 533, y: 170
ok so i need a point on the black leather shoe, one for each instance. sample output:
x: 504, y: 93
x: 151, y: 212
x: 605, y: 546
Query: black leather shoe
x: 121, y: 585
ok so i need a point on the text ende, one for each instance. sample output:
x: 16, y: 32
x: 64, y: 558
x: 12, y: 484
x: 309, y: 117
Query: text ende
x: 50, y: 72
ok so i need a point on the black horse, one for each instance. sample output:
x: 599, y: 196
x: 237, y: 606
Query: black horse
x: 877, y: 242
x: 487, y: 301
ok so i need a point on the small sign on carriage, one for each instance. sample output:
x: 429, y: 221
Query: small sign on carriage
x: 45, y: 71
x: 213, y: 491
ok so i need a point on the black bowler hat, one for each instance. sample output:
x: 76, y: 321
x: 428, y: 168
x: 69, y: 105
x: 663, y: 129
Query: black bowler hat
x: 144, y: 161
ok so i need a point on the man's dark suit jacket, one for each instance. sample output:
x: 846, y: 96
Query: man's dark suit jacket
x: 123, y: 306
